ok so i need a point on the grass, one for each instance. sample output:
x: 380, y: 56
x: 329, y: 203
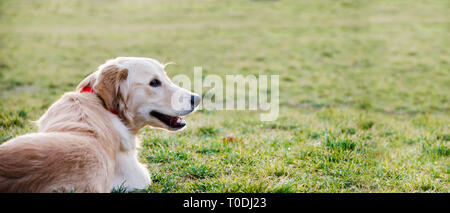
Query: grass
x: 364, y: 87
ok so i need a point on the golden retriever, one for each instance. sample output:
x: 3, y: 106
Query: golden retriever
x: 87, y: 139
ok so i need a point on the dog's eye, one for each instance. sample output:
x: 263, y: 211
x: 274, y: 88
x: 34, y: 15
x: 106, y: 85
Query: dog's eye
x: 155, y: 83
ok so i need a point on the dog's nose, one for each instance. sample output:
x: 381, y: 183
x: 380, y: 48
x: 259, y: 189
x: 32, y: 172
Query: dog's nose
x: 195, y: 100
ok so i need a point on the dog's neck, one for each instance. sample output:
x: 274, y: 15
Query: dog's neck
x: 127, y: 135
x: 89, y: 89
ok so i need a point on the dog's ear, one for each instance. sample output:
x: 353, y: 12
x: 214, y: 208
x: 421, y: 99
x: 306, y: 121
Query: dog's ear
x: 88, y: 81
x: 107, y: 85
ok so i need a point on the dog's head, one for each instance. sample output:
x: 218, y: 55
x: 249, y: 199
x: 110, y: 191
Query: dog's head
x: 141, y: 93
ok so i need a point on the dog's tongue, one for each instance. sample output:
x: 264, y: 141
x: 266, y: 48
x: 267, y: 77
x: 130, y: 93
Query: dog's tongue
x: 177, y: 121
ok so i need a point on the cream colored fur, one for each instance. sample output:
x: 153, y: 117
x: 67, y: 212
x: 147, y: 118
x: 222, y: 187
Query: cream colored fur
x: 81, y: 146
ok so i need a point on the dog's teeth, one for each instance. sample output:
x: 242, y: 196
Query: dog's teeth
x: 178, y: 120
x: 175, y: 121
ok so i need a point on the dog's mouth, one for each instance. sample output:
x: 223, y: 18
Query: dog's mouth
x: 175, y: 122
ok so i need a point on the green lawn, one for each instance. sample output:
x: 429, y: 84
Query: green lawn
x: 364, y: 86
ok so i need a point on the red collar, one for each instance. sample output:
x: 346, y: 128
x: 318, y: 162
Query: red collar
x: 90, y: 90
x: 87, y: 89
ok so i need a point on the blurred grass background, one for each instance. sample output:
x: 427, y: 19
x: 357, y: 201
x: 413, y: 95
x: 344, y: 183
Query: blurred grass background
x: 364, y: 86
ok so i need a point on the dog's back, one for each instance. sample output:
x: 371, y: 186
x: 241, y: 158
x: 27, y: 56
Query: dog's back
x: 68, y: 152
x: 46, y: 162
